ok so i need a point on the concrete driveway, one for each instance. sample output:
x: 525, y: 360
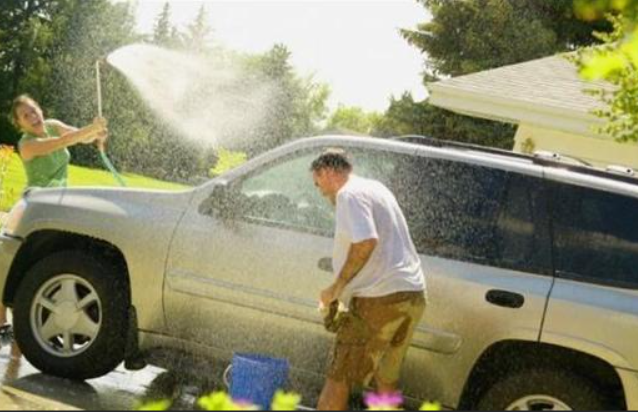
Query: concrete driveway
x: 24, y: 388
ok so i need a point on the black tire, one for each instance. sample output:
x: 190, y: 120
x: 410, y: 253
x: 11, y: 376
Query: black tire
x: 106, y: 350
x: 572, y: 390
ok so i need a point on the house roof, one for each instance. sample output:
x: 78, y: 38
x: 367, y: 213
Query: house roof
x: 546, y: 92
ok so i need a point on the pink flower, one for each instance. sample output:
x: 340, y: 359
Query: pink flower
x: 376, y: 400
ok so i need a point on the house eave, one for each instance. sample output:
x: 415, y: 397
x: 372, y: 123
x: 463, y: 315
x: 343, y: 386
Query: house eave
x: 514, y: 111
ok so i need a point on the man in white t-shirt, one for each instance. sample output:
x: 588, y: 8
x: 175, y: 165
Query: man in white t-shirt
x: 378, y: 276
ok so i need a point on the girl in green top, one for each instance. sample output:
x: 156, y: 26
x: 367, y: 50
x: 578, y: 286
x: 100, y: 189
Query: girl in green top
x: 44, y: 143
x: 43, y: 149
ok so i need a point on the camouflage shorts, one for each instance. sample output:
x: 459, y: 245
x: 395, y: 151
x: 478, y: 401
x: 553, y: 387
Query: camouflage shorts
x: 374, y: 337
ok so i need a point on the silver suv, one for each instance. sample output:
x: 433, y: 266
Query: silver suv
x: 532, y: 268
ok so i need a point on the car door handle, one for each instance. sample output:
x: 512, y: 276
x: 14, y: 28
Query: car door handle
x: 325, y: 264
x: 505, y: 299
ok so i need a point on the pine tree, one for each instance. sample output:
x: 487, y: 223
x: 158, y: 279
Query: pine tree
x: 198, y: 35
x: 163, y: 33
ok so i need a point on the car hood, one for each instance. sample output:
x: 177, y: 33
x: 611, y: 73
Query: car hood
x: 107, y: 199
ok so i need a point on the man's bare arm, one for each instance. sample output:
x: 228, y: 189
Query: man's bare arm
x: 358, y: 255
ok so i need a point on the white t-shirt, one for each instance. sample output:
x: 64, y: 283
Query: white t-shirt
x: 366, y: 209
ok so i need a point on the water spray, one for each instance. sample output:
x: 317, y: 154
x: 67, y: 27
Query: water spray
x: 103, y: 155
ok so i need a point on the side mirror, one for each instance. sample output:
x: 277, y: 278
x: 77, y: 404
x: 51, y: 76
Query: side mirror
x: 219, y: 203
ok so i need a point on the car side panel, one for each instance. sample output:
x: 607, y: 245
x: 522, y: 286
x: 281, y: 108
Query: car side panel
x: 606, y: 325
x: 629, y: 380
x: 460, y: 325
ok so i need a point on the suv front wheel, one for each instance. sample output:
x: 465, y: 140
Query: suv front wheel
x: 70, y: 315
x: 544, y: 390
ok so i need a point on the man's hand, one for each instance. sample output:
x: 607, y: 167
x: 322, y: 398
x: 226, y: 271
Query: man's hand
x: 329, y: 295
x: 358, y: 256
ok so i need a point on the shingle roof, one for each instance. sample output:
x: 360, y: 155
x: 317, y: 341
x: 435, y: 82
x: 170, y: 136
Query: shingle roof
x: 552, y: 82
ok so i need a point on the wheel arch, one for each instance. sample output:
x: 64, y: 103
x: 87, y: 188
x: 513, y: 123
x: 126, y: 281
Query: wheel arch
x: 46, y: 242
x: 515, y: 356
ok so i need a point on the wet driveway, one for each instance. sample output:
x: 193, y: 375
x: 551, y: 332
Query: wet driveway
x: 24, y: 387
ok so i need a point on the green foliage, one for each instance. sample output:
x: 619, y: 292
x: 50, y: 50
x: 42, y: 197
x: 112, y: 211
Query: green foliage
x: 283, y: 401
x: 297, y: 104
x: 406, y: 116
x: 155, y: 406
x: 221, y: 401
x: 431, y: 406
x: 589, y: 10
x: 198, y: 34
x: 616, y: 61
x: 353, y: 119
x: 473, y: 35
x: 164, y: 33
x: 226, y: 161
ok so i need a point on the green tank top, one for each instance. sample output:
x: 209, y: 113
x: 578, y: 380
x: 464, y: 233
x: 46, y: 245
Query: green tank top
x: 50, y: 170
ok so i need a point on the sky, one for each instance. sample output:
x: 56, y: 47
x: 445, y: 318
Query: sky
x: 352, y: 45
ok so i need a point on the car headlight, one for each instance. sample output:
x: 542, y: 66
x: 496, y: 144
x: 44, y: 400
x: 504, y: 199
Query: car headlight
x: 12, y: 220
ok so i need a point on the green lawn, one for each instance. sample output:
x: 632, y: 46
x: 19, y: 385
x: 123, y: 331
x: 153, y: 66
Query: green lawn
x: 15, y: 181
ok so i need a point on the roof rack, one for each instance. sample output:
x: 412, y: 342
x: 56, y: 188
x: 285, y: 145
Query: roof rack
x: 541, y: 158
x: 621, y: 170
x: 558, y: 157
x: 434, y: 142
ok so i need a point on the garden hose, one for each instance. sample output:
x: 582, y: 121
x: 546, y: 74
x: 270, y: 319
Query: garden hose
x: 112, y: 169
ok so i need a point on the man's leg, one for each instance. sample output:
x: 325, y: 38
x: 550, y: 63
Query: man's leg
x: 334, y: 396
x: 387, y: 375
x: 347, y: 364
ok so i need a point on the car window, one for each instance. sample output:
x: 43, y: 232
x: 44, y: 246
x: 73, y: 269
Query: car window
x: 453, y: 207
x: 595, y: 235
x: 284, y: 194
x: 522, y: 229
x: 467, y: 212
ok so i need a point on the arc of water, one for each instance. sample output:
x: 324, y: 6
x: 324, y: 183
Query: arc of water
x: 103, y: 156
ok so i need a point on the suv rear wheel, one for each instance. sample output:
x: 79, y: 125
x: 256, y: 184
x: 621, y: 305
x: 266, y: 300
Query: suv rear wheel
x: 71, y: 314
x: 544, y: 390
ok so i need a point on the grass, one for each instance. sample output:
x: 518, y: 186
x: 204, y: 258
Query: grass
x: 15, y: 181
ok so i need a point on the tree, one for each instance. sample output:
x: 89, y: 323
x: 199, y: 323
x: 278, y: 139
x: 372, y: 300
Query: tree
x: 296, y: 104
x: 469, y: 36
x: 560, y: 16
x: 353, y: 119
x: 164, y: 33
x: 406, y: 117
x: 198, y: 34
x: 466, y: 36
x: 615, y: 61
x: 162, y: 29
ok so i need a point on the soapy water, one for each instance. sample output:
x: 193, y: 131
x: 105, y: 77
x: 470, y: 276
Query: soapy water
x: 203, y: 98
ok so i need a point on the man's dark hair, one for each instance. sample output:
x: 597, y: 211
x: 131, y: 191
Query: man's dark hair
x: 335, y: 159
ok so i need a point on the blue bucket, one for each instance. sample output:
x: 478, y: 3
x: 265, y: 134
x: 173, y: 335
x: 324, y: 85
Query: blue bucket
x: 256, y: 378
